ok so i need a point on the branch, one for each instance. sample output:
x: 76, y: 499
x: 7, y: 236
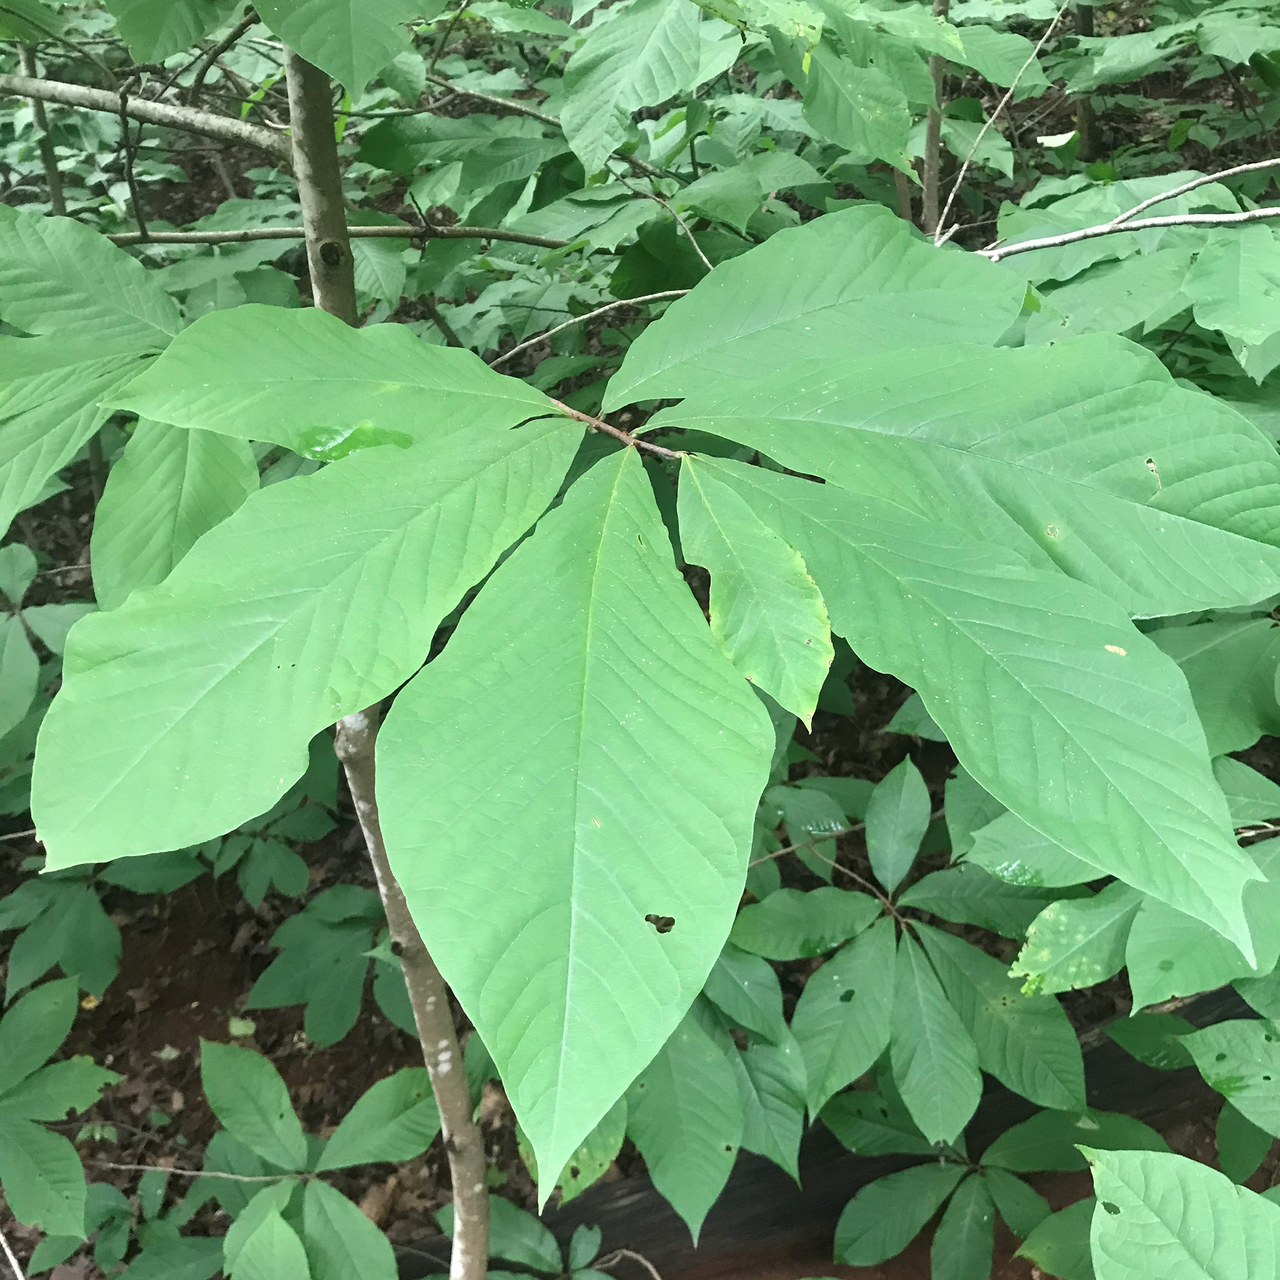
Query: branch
x: 929, y: 216
x: 1201, y: 181
x: 1142, y: 224
x: 428, y: 231
x: 189, y: 119
x: 11, y: 1257
x: 590, y: 315
x: 429, y: 999
x: 940, y: 235
x: 206, y: 65
x: 599, y: 424
x: 53, y: 179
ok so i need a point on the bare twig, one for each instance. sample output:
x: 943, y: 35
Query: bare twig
x: 429, y: 999
x: 618, y: 1254
x: 12, y: 1258
x: 599, y: 424
x: 1203, y: 180
x: 999, y: 253
x: 437, y: 319
x: 53, y: 179
x: 189, y: 119
x: 940, y: 234
x: 590, y: 315
x: 126, y: 135
x: 428, y: 231
x: 662, y: 202
x: 210, y: 59
x: 187, y: 1173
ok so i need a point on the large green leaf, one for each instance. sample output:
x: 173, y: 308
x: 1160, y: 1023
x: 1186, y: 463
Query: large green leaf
x: 1165, y: 1215
x: 50, y: 391
x: 1026, y: 1042
x: 318, y: 597
x: 842, y: 1017
x: 41, y: 1176
x: 167, y: 488
x: 583, y: 702
x: 1241, y: 1060
x: 1049, y: 696
x: 1085, y: 455
x: 885, y: 1216
x: 934, y: 1058
x: 1050, y: 1140
x: 30, y: 21
x: 341, y: 1242
x: 157, y: 29
x: 637, y: 58
x: 684, y: 1113
x: 860, y: 109
x: 307, y: 381
x: 855, y: 281
x: 352, y: 40
x: 62, y: 277
x: 1231, y: 667
x: 33, y: 1028
x: 965, y: 1238
x: 246, y: 1093
x: 1234, y: 285
x: 766, y: 611
x: 394, y: 1120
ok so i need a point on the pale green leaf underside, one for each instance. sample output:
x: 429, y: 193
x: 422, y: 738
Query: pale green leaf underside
x: 50, y: 390
x: 852, y: 282
x: 766, y: 611
x: 1164, y: 1215
x: 1050, y: 697
x: 581, y: 756
x: 61, y: 277
x: 638, y: 58
x: 352, y: 40
x: 307, y: 381
x: 315, y: 599
x: 167, y: 488
x: 1085, y: 455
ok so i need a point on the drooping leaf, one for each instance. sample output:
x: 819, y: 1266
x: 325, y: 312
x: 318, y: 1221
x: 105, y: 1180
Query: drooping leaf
x: 1251, y: 796
x: 1161, y: 1210
x: 862, y: 282
x: 591, y: 1161
x: 934, y: 1057
x: 19, y: 673
x: 341, y: 1242
x: 638, y: 58
x: 315, y: 599
x: 394, y: 1120
x: 1076, y: 942
x: 59, y: 276
x: 248, y: 1096
x: 791, y: 924
x: 885, y: 1216
x: 842, y: 1016
x: 965, y: 1239
x: 685, y: 1115
x: 305, y: 380
x: 157, y: 29
x: 1007, y: 444
x: 1234, y: 284
x: 351, y: 40
x: 897, y: 818
x: 766, y: 611
x: 583, y: 700
x: 167, y: 488
x: 988, y: 641
x: 1026, y: 1042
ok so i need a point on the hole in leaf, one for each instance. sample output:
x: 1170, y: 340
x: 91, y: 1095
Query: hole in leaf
x: 1113, y: 1209
x: 1219, y: 1057
x: 663, y: 924
x: 846, y: 996
x: 1165, y: 966
x: 574, y: 1171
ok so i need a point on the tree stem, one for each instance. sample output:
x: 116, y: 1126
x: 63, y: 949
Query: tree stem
x: 315, y: 164
x: 1085, y: 124
x: 52, y: 178
x: 429, y: 998
x: 929, y: 202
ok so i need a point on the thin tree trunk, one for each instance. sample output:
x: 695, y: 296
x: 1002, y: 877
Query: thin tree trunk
x: 929, y: 202
x: 53, y: 179
x: 315, y: 163
x: 1085, y: 124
